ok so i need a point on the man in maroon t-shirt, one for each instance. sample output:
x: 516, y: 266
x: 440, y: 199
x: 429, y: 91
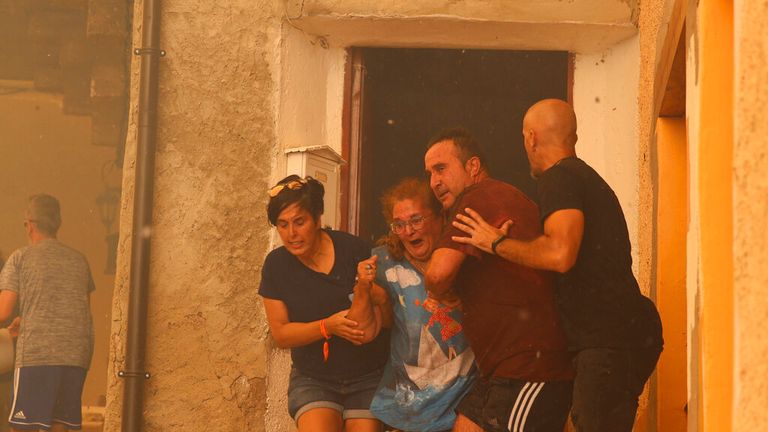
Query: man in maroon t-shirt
x: 510, y: 318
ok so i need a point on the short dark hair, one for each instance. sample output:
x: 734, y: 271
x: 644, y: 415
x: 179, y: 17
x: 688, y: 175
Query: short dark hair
x: 463, y: 140
x: 306, y: 192
x: 45, y: 212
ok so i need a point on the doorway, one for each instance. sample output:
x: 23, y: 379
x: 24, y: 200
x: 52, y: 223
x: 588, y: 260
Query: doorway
x: 399, y: 98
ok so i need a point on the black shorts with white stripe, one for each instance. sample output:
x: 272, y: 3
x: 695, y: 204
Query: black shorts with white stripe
x: 504, y: 404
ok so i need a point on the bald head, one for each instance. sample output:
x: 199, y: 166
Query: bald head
x: 549, y: 131
x: 554, y: 120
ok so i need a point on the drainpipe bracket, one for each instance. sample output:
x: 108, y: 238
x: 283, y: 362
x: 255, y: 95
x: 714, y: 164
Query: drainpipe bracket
x: 132, y: 374
x: 150, y: 51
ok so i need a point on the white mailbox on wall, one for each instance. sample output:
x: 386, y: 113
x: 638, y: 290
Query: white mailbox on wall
x: 324, y: 164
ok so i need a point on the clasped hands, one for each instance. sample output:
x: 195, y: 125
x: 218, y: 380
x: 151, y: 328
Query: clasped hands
x: 338, y: 324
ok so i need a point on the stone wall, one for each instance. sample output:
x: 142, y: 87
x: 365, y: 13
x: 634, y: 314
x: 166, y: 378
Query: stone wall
x: 653, y: 30
x: 207, y: 336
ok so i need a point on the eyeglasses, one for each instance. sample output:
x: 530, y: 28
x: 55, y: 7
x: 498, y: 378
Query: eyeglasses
x: 292, y: 185
x: 28, y: 221
x: 416, y: 223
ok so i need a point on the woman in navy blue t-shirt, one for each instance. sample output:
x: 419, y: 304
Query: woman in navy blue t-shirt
x: 308, y: 286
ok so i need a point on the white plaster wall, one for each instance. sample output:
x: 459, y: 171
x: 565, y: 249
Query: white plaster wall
x: 576, y: 25
x: 311, y: 92
x: 605, y: 99
x: 604, y: 11
x: 310, y: 103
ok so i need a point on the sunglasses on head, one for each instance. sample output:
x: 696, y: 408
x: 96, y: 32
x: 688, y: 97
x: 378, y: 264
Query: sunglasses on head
x: 292, y: 185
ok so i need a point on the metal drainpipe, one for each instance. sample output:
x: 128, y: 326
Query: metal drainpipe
x: 135, y: 373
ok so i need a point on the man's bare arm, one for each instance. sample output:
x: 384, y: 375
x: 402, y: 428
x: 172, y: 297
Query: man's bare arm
x: 555, y: 250
x: 7, y: 303
x: 441, y: 273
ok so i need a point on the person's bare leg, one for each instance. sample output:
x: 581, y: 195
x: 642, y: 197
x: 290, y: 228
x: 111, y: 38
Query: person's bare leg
x: 463, y: 424
x: 320, y: 420
x: 363, y: 425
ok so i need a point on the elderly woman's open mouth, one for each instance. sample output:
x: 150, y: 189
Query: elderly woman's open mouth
x: 416, y: 242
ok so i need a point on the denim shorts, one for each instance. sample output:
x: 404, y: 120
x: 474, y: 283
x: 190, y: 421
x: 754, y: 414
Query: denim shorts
x: 350, y: 397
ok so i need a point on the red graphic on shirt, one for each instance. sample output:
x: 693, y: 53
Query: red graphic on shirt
x: 449, y: 326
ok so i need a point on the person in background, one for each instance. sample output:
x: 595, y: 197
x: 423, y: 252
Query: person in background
x: 6, y: 379
x: 312, y: 300
x: 613, y: 329
x: 431, y: 366
x: 51, y: 283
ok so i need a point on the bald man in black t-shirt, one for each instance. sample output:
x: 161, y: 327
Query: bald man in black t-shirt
x: 613, y: 329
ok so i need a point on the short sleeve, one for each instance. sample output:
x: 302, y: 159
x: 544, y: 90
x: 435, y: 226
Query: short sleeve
x: 9, y: 277
x: 559, y: 190
x: 268, y: 288
x: 477, y: 200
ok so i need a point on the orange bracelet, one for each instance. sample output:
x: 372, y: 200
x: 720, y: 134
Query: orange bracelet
x: 324, y: 332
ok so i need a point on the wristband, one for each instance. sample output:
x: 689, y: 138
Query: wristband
x: 496, y: 243
x: 324, y: 333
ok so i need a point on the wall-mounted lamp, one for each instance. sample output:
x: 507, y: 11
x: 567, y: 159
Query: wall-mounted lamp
x: 108, y: 203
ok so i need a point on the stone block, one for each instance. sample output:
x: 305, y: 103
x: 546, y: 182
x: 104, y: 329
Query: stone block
x: 107, y: 17
x: 106, y: 134
x: 108, y: 50
x: 44, y: 54
x: 64, y: 5
x: 74, y: 52
x: 107, y: 81
x: 107, y: 118
x: 75, y: 86
x: 47, y: 78
x: 56, y: 25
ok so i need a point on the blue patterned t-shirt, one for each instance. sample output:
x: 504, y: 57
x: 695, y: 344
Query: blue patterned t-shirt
x: 431, y: 365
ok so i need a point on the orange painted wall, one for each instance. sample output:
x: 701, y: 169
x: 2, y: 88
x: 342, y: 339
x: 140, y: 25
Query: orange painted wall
x: 716, y: 211
x: 672, y: 216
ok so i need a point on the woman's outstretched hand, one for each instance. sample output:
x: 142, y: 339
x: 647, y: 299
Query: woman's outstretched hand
x: 366, y: 270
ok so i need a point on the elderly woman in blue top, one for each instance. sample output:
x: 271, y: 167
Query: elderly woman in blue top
x: 430, y: 365
x: 311, y: 300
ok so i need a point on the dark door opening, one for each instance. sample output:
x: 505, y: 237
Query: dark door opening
x: 405, y: 96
